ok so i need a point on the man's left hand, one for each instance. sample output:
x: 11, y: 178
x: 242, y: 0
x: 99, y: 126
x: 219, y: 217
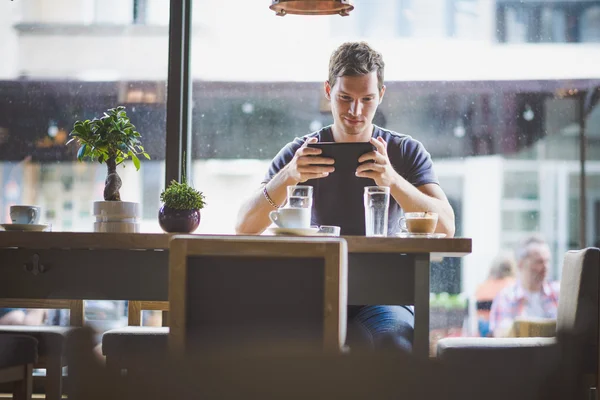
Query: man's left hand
x: 380, y: 169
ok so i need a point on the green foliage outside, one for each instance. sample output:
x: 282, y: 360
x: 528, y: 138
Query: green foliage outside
x: 447, y: 301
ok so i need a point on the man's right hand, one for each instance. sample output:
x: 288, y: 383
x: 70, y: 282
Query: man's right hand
x: 307, y: 164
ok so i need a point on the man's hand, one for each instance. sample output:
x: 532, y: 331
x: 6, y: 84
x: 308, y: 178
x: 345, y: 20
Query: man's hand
x: 380, y: 169
x: 307, y: 165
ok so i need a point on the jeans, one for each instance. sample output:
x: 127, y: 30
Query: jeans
x: 380, y: 328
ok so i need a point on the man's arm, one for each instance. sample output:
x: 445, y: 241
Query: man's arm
x: 253, y: 217
x: 428, y: 197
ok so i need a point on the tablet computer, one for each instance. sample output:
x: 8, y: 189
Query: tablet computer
x: 345, y: 154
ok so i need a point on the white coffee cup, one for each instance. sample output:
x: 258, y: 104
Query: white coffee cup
x: 25, y: 214
x: 291, y: 218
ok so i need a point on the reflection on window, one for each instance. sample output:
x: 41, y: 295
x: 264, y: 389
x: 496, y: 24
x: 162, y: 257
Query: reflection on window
x: 590, y: 25
x: 71, y: 60
x: 555, y: 22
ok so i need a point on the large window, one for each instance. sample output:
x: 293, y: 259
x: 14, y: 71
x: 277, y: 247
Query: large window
x: 72, y: 60
x: 502, y: 124
x: 65, y: 63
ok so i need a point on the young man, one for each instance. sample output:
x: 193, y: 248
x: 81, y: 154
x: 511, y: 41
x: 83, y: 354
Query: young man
x: 355, y: 89
x: 531, y: 295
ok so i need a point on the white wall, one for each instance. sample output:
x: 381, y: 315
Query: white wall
x: 483, y: 181
x: 58, y: 12
x: 9, y: 12
x: 129, y: 58
x: 113, y: 12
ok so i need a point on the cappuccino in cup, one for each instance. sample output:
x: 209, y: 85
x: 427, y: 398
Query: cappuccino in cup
x: 420, y: 222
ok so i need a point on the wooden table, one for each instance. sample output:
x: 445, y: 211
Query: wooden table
x: 103, y: 266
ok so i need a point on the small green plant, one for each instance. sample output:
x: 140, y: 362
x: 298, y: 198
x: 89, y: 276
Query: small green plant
x: 111, y: 139
x: 181, y: 196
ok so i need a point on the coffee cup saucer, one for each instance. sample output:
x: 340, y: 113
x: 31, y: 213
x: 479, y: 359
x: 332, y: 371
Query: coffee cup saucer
x: 25, y: 227
x: 421, y: 235
x: 312, y: 231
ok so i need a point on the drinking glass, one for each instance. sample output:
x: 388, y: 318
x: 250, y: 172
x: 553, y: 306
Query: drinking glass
x: 299, y: 196
x: 377, y: 201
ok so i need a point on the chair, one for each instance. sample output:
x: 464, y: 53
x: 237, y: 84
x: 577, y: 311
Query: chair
x: 533, y: 327
x: 125, y: 348
x: 239, y: 293
x: 50, y: 338
x: 577, y: 318
x: 136, y: 307
x: 18, y: 354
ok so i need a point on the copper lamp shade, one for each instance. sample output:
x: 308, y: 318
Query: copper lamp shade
x: 312, y: 7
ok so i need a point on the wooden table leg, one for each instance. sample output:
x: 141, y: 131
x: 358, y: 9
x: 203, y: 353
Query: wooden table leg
x: 54, y: 378
x: 422, y: 288
x: 23, y: 388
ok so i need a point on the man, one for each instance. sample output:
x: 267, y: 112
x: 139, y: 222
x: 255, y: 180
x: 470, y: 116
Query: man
x: 355, y: 89
x: 531, y: 295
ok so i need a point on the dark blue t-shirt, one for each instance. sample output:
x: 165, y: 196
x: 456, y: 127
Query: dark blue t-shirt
x: 338, y: 198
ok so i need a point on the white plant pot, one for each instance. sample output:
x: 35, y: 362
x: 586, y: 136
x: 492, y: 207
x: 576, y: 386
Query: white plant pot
x: 116, y: 216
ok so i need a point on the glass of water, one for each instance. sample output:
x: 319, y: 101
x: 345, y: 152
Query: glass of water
x: 299, y: 196
x: 377, y: 201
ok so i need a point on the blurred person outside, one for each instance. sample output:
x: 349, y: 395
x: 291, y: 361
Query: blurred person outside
x: 355, y: 89
x: 531, y: 295
x: 501, y: 275
x: 17, y: 316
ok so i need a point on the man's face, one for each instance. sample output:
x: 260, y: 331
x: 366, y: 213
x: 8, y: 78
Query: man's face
x: 534, y: 267
x: 354, y: 100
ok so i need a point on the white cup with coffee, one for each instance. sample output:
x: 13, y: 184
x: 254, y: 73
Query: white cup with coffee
x: 21, y: 214
x: 419, y: 222
x: 291, y: 218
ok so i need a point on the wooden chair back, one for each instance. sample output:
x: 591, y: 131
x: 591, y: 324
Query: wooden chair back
x: 534, y: 327
x: 135, y: 308
x: 239, y: 291
x: 579, y: 309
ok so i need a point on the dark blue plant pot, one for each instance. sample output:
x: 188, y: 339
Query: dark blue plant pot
x: 178, y: 221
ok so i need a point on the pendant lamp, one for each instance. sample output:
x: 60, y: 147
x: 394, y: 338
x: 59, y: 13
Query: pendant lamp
x: 312, y: 7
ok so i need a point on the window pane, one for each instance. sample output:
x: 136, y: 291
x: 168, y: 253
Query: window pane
x: 46, y: 86
x: 67, y: 61
x: 500, y: 122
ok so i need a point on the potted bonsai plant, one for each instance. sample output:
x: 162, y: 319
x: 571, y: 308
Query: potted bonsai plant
x: 111, y: 140
x: 181, y: 209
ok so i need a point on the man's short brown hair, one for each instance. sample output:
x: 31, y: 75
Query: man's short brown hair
x: 354, y: 59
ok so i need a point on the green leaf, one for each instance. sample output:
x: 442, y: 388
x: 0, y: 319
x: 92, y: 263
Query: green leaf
x: 146, y: 155
x: 112, y: 135
x: 81, y: 152
x: 136, y: 161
